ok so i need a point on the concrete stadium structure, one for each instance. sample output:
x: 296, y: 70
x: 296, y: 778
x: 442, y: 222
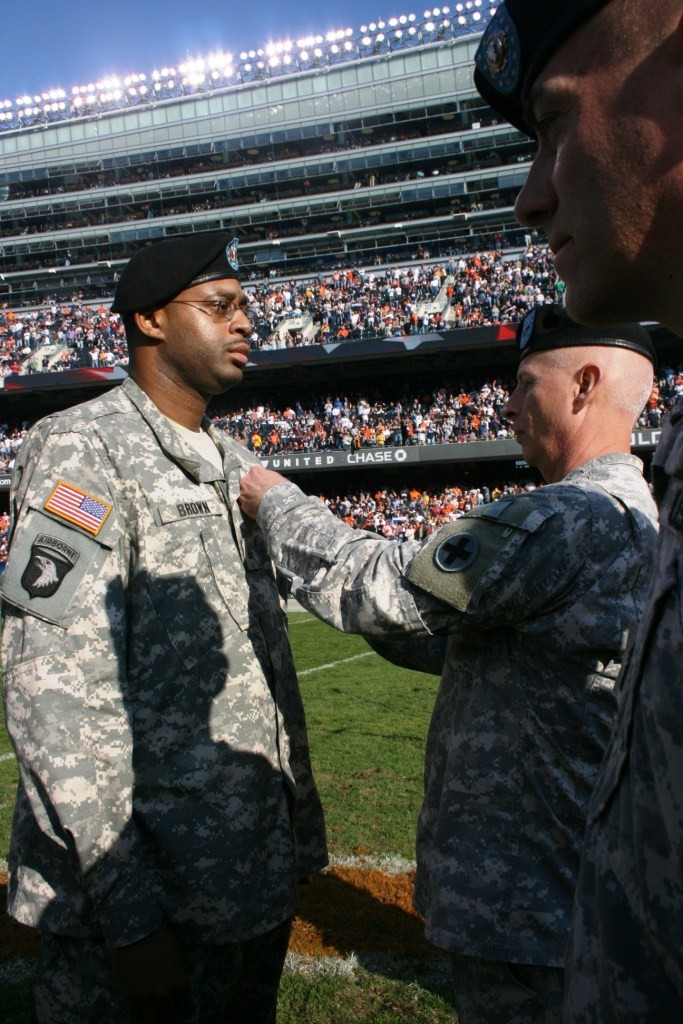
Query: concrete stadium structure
x: 366, y: 149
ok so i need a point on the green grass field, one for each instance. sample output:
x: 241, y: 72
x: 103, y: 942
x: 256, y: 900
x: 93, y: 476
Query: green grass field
x: 367, y: 723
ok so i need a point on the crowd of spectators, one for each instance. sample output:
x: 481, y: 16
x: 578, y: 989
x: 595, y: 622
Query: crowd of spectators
x: 208, y: 192
x: 478, y: 290
x: 447, y: 414
x: 10, y: 442
x: 347, y: 304
x: 60, y: 337
x: 411, y: 513
x: 4, y: 538
x: 236, y: 156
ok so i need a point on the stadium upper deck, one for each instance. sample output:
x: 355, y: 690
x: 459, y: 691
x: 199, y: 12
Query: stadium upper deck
x: 362, y: 148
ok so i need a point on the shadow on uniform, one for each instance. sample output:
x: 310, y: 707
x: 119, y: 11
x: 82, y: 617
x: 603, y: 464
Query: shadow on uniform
x: 194, y: 831
x: 419, y: 655
x: 202, y: 806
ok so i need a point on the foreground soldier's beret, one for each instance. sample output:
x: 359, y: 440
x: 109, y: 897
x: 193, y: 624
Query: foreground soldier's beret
x: 518, y: 42
x: 549, y: 327
x: 155, y: 274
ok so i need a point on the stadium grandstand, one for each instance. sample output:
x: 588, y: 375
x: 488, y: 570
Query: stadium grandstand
x: 372, y: 194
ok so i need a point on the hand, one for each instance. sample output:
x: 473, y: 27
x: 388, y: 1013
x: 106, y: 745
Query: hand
x: 254, y: 485
x: 153, y: 980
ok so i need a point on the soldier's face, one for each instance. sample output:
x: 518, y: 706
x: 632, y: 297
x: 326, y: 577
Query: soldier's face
x: 606, y: 183
x: 541, y: 411
x: 202, y: 348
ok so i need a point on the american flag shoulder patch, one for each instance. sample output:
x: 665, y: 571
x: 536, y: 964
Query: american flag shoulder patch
x: 78, y: 507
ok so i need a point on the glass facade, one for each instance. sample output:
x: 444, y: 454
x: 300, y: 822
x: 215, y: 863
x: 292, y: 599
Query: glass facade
x: 367, y: 163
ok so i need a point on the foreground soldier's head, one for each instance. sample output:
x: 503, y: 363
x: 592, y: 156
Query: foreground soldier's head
x: 599, y: 83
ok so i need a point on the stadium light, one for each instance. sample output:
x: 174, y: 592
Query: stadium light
x: 221, y: 70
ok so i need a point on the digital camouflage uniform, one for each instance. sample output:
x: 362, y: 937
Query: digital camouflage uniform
x: 537, y: 594
x: 149, y: 690
x: 625, y: 959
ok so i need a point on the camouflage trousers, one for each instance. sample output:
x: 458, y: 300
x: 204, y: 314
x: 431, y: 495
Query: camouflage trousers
x: 235, y: 983
x: 495, y: 992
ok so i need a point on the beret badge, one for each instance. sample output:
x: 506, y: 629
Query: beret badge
x: 527, y: 330
x: 231, y: 254
x: 498, y: 58
x: 497, y: 52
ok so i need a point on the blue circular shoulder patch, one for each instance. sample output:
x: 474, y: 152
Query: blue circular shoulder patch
x: 457, y: 553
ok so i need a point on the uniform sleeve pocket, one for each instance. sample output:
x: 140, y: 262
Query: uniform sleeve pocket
x: 50, y: 567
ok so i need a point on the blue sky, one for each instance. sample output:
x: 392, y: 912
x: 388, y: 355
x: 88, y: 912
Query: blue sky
x: 48, y: 44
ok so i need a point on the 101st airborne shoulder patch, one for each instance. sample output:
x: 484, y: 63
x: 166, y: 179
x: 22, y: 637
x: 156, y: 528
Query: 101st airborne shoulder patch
x: 51, y: 559
x: 78, y: 507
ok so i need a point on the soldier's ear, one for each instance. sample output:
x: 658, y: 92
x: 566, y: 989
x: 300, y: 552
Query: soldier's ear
x: 588, y: 378
x: 150, y: 322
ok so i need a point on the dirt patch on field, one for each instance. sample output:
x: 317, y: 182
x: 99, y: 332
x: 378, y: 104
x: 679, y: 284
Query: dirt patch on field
x: 356, y: 910
x: 344, y: 910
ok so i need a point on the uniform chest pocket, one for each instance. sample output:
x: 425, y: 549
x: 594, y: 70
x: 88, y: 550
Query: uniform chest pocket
x: 183, y: 563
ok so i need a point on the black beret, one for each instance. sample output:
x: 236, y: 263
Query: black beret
x: 550, y: 327
x: 155, y: 274
x: 518, y: 42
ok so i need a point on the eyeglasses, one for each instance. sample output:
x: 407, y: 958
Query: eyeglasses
x: 221, y: 309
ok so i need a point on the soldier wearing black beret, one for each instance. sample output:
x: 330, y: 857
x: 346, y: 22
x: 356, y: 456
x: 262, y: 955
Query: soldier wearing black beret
x: 185, y: 291
x: 600, y: 86
x: 550, y: 327
x: 167, y: 807
x: 157, y: 273
x: 519, y: 40
x: 531, y: 595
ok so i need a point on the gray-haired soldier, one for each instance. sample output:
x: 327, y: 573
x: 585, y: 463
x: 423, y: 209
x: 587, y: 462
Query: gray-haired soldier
x: 166, y: 806
x: 536, y: 595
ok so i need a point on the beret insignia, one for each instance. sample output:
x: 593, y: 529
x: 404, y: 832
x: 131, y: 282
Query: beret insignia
x: 231, y: 253
x: 527, y: 330
x: 499, y: 56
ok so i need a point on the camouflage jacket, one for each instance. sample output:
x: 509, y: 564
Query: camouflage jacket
x: 536, y: 595
x: 625, y: 960
x: 149, y: 689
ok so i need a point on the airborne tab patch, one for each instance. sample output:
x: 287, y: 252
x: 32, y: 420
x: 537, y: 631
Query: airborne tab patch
x: 78, y: 507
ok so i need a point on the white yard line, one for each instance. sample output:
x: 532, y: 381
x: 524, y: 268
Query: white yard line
x: 344, y: 967
x: 333, y: 664
x: 17, y: 971
x: 435, y: 970
x: 387, y: 863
